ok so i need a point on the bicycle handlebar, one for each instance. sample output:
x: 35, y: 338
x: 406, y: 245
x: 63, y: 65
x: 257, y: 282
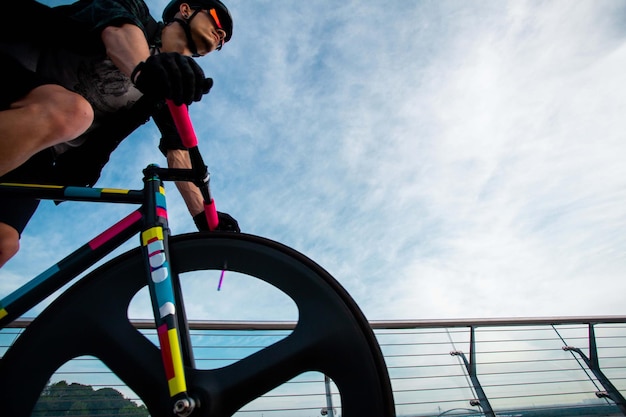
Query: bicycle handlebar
x: 180, y: 114
x: 182, y: 121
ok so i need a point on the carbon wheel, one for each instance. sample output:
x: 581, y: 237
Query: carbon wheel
x: 91, y: 319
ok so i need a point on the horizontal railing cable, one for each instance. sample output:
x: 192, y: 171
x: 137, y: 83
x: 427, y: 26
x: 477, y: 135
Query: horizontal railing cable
x: 519, y: 362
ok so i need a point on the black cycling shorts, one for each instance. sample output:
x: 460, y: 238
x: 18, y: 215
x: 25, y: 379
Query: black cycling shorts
x: 16, y: 81
x: 17, y: 211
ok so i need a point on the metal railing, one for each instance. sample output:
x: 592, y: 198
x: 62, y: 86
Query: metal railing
x: 565, y: 366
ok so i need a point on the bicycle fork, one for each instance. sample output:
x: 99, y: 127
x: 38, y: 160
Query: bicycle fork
x: 163, y: 294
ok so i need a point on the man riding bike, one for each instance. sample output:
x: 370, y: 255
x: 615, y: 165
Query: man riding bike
x: 101, y: 69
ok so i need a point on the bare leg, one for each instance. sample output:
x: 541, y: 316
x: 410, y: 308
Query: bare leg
x: 47, y: 116
x: 9, y: 243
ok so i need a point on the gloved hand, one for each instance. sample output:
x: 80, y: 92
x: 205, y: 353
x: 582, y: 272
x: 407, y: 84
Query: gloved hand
x: 226, y: 222
x: 172, y: 76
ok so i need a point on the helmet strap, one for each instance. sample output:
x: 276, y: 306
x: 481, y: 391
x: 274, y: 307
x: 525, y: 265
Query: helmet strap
x: 185, y: 24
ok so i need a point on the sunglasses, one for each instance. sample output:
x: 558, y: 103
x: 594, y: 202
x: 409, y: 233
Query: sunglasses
x: 216, y: 19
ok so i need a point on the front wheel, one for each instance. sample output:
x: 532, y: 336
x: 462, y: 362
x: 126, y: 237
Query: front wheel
x: 91, y: 319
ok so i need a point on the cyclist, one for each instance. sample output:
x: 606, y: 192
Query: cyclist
x: 101, y: 69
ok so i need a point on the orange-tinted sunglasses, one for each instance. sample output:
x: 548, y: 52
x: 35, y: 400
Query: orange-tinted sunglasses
x: 216, y: 19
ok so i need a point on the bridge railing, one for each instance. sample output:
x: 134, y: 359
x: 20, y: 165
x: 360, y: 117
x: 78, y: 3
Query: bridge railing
x: 488, y: 367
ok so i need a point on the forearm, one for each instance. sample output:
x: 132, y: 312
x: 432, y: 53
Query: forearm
x: 191, y: 194
x: 126, y: 46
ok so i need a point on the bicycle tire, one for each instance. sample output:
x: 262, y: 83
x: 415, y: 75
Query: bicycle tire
x: 90, y: 318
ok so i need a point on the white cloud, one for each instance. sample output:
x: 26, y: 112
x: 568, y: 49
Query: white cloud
x: 521, y: 170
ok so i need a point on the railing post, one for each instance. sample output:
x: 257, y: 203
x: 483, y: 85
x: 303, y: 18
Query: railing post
x: 471, y: 370
x: 329, y: 397
x: 593, y: 363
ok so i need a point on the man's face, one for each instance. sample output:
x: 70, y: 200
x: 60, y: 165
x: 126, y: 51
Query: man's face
x: 206, y: 32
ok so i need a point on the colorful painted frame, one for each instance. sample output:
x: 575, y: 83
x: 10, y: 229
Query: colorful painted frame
x: 150, y: 220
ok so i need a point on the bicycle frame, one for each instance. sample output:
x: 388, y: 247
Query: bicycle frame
x: 150, y: 220
x: 337, y: 340
x: 31, y: 293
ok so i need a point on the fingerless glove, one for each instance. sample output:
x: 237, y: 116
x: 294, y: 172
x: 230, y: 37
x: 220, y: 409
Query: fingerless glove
x: 171, y: 76
x: 227, y: 223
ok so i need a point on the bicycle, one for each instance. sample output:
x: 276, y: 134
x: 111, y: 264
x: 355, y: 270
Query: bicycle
x: 90, y: 317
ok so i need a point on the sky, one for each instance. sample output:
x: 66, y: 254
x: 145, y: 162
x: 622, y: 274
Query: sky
x: 441, y: 159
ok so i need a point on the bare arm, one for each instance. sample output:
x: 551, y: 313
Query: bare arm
x: 126, y: 46
x: 190, y: 193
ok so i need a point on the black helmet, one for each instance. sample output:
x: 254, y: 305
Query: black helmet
x: 225, y: 19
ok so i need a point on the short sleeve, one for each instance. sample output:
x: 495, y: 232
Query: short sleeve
x: 98, y: 14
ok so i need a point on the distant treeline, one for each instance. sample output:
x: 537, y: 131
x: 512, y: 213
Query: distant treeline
x: 61, y: 399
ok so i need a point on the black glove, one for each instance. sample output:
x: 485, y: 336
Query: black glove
x: 173, y: 76
x: 226, y: 222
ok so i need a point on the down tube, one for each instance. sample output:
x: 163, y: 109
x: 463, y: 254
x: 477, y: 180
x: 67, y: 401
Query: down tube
x: 44, y: 284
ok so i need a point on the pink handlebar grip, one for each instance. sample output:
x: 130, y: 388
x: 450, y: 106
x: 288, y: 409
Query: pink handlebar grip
x: 211, y: 215
x: 180, y: 114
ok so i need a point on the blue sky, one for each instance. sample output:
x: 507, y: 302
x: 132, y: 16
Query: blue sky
x: 442, y: 159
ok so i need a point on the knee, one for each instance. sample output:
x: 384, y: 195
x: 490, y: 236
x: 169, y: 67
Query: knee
x: 67, y: 114
x: 70, y: 114
x: 9, y: 243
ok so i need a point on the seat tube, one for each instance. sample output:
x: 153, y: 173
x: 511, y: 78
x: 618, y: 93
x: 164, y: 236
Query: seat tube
x: 154, y: 243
